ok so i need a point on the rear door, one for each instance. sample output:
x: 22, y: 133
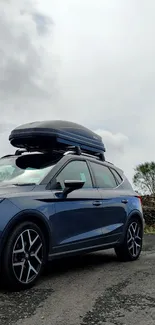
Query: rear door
x: 77, y: 223
x: 114, y: 207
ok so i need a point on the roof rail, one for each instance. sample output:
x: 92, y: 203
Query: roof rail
x: 6, y: 156
x: 109, y: 162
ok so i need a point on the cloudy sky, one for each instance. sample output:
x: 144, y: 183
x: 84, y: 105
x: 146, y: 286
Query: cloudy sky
x: 89, y: 61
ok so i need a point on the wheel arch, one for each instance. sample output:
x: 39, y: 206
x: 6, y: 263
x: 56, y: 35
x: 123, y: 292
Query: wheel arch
x: 134, y: 214
x: 27, y: 215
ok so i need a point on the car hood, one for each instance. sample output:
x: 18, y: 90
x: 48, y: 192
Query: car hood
x: 11, y: 189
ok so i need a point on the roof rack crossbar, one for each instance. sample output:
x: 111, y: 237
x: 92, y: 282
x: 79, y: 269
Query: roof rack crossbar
x: 69, y: 150
x: 19, y: 152
x: 72, y: 152
x: 78, y: 151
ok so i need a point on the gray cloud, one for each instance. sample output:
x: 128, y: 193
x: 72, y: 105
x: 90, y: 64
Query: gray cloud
x: 108, y: 71
x: 42, y: 22
x: 6, y: 127
x: 94, y: 65
x: 26, y: 78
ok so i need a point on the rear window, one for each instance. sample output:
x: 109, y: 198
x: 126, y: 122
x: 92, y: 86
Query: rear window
x: 117, y: 176
x: 103, y: 176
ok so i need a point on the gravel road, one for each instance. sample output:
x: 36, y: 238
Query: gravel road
x: 93, y: 289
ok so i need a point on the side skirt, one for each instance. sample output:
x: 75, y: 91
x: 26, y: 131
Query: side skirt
x: 82, y: 250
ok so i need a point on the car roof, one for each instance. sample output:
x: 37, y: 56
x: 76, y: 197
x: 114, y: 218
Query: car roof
x: 69, y: 156
x: 93, y: 159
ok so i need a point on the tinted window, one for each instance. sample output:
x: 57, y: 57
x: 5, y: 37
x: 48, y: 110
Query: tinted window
x: 117, y: 176
x: 104, y: 177
x: 75, y: 170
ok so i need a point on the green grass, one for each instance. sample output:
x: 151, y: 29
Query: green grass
x: 149, y: 229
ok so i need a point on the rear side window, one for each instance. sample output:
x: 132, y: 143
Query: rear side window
x: 117, y: 176
x: 103, y: 175
x: 75, y: 170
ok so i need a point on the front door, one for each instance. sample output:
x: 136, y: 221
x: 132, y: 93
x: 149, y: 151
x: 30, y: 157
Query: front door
x: 77, y: 223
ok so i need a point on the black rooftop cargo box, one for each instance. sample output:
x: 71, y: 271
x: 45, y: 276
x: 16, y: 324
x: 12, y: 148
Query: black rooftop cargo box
x: 56, y: 135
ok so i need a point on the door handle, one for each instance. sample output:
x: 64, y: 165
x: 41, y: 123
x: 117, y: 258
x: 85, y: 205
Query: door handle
x: 125, y: 201
x: 97, y: 203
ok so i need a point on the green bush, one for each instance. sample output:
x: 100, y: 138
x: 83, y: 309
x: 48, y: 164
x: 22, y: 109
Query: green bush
x: 149, y: 215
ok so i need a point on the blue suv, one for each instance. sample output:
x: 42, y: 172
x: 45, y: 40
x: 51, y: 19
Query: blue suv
x: 68, y: 204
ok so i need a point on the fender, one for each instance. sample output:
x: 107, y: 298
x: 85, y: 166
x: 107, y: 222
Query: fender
x: 134, y: 213
x: 21, y: 216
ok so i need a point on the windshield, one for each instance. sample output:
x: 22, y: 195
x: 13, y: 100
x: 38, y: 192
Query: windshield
x: 24, y: 170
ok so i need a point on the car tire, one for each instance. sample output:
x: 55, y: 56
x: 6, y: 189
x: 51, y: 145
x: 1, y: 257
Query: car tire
x: 131, y: 247
x: 24, y: 256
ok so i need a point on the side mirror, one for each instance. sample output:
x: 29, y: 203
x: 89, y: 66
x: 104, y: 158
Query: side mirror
x: 71, y: 186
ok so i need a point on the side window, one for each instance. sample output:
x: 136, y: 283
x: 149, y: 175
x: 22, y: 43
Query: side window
x: 104, y: 177
x: 117, y: 176
x: 75, y: 170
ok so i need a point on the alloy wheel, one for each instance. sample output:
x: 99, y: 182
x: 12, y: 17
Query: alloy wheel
x: 134, y: 239
x: 27, y: 256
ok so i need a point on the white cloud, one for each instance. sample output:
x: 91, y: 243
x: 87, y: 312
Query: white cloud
x: 114, y: 142
x: 117, y: 149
